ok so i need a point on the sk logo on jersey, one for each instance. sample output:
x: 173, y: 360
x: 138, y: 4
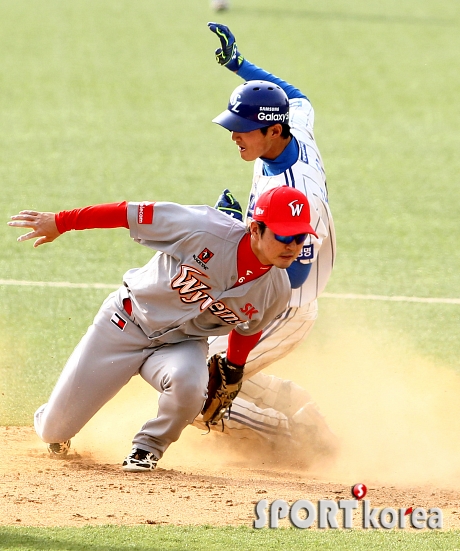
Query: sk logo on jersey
x: 249, y: 310
x: 191, y: 289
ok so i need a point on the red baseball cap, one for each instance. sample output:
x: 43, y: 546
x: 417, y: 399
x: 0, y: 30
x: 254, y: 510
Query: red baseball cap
x: 285, y: 210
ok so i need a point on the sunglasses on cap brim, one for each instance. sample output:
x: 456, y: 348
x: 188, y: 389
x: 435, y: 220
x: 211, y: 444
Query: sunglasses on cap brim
x: 288, y: 239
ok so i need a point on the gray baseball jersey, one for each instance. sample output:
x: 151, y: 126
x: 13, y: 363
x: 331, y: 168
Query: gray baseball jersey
x: 186, y: 291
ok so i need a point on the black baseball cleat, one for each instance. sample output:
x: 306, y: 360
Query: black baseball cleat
x: 59, y: 450
x: 139, y: 461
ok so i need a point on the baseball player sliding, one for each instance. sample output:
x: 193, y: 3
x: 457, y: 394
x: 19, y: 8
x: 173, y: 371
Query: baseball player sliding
x: 212, y: 275
x: 271, y: 123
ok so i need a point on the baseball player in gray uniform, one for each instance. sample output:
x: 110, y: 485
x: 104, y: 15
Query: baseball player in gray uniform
x: 212, y: 275
x: 271, y: 123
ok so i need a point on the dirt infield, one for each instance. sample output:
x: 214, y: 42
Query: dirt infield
x: 396, y: 422
x: 36, y: 490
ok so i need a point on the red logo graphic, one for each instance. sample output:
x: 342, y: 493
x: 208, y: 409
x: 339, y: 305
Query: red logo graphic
x: 205, y: 255
x: 249, y: 310
x: 145, y: 213
x: 359, y: 491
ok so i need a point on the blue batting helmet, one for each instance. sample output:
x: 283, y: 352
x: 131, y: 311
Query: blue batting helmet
x: 253, y: 105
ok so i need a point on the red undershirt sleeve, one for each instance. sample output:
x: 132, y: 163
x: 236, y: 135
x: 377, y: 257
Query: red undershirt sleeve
x: 108, y: 215
x: 239, y: 346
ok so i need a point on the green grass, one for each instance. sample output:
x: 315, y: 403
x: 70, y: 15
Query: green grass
x: 111, y: 100
x: 109, y: 538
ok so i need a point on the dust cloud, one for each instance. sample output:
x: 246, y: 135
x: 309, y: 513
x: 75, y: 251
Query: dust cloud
x: 396, y: 415
x: 108, y: 435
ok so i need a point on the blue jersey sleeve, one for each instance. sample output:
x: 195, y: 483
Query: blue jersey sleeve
x: 298, y: 273
x: 249, y: 71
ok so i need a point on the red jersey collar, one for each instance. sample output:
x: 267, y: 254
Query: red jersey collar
x: 249, y: 266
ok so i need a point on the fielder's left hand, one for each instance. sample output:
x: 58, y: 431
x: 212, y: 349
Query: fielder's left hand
x: 228, y: 54
x: 43, y: 226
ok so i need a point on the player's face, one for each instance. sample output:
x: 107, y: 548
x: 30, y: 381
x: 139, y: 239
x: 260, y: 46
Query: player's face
x: 272, y: 252
x: 254, y: 144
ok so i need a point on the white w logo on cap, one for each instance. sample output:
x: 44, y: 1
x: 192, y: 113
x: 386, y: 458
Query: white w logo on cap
x: 296, y: 209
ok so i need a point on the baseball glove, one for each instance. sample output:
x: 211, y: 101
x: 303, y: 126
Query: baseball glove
x: 225, y: 380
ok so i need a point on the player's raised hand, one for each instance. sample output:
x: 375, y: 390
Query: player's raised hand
x: 228, y: 204
x: 43, y: 226
x: 228, y: 54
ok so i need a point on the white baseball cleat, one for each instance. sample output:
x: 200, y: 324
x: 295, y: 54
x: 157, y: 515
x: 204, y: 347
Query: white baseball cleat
x: 139, y: 461
x: 59, y: 450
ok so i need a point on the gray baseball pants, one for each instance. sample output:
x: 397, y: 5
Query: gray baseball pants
x: 105, y: 360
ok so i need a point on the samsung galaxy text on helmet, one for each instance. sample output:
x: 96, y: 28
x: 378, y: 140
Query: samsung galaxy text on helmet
x: 273, y: 117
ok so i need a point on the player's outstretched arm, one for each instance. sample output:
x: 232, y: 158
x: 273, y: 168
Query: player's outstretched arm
x: 43, y: 225
x: 229, y: 56
x: 47, y: 226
